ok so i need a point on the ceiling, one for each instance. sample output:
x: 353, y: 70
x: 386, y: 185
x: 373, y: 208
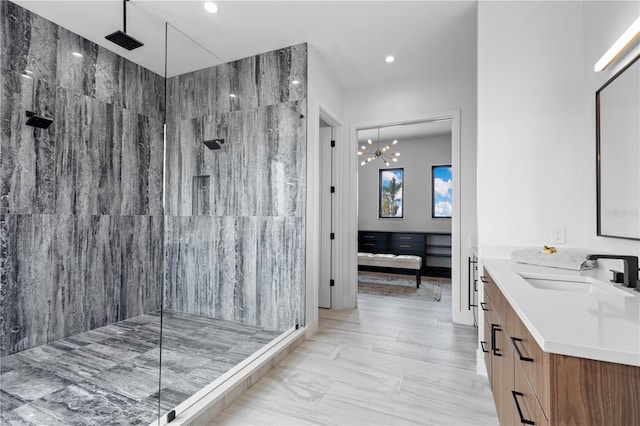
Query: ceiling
x: 404, y: 132
x: 352, y: 37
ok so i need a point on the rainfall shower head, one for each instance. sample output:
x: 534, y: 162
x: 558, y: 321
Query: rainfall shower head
x: 37, y: 121
x: 214, y: 144
x: 121, y: 38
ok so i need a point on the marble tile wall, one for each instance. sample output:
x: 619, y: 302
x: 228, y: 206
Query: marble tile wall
x: 104, y: 152
x: 244, y: 259
x: 248, y: 269
x: 82, y: 230
x: 64, y: 274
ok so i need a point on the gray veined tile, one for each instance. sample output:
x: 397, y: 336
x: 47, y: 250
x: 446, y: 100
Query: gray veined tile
x: 277, y: 70
x: 68, y: 265
x: 28, y: 42
x: 41, y: 382
x: 74, y: 73
x: 84, y: 403
x: 115, y: 369
x: 9, y: 402
x: 27, y: 161
x: 28, y: 414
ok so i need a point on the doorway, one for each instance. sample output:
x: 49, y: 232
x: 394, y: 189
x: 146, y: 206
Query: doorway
x: 415, y: 218
x: 349, y: 249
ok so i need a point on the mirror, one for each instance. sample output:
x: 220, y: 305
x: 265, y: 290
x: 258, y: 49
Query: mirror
x: 618, y: 154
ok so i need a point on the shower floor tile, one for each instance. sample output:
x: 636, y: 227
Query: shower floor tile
x: 110, y: 375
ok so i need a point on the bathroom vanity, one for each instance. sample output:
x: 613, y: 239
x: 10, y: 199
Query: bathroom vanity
x: 560, y: 352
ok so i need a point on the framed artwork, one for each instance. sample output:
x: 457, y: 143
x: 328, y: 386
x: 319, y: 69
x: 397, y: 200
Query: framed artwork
x: 390, y: 193
x: 442, y: 191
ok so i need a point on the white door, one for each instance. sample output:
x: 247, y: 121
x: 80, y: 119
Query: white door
x: 326, y: 212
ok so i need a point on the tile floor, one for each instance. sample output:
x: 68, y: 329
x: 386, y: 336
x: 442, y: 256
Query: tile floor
x: 392, y: 361
x: 109, y: 376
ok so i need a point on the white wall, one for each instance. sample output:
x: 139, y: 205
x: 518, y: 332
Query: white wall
x: 417, y: 157
x: 531, y: 139
x: 326, y: 94
x: 536, y: 119
x: 397, y: 101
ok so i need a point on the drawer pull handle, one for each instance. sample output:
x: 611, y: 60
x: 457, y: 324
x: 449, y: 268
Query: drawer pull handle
x: 405, y: 246
x: 405, y: 238
x: 367, y: 244
x: 482, y: 343
x: 522, y: 419
x: 494, y: 348
x: 369, y: 236
x: 517, y: 349
x: 484, y: 306
x: 483, y: 279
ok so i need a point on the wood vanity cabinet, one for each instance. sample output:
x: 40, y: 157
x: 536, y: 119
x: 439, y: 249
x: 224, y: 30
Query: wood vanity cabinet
x: 534, y: 387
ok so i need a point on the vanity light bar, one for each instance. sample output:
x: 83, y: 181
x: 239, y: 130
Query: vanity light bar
x: 619, y: 46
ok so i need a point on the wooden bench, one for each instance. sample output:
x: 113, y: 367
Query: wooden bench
x: 402, y: 261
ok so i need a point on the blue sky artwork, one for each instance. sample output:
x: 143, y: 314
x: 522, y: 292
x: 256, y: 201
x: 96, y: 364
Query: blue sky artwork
x: 442, y: 192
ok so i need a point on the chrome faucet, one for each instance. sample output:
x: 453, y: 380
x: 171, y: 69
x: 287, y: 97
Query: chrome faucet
x: 630, y: 268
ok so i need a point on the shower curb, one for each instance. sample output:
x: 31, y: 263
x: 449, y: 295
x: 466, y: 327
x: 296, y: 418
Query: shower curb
x: 212, y: 400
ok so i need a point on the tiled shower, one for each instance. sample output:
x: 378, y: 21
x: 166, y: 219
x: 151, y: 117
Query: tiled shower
x: 125, y: 240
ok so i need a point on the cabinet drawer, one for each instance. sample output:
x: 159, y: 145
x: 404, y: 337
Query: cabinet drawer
x: 525, y: 401
x: 370, y: 236
x: 407, y: 237
x: 488, y: 285
x: 372, y: 246
x: 404, y: 246
x: 533, y: 361
x: 501, y: 307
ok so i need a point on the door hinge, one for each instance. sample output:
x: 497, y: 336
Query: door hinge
x: 333, y: 144
x: 332, y: 283
x: 332, y: 236
x: 171, y: 416
x: 333, y: 189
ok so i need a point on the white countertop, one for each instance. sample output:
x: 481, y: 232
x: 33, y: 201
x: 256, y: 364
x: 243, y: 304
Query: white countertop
x: 604, y: 328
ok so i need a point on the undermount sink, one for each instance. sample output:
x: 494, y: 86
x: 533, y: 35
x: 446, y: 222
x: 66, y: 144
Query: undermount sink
x: 574, y: 284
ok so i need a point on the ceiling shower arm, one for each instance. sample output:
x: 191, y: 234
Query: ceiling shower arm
x: 124, y: 16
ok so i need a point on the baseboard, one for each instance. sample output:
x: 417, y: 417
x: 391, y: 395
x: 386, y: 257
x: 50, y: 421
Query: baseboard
x: 212, y: 400
x: 481, y: 368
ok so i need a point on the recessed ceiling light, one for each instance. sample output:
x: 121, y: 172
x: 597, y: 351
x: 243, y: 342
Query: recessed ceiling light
x: 210, y: 7
x: 295, y: 82
x: 77, y: 54
x: 233, y: 95
x: 389, y: 59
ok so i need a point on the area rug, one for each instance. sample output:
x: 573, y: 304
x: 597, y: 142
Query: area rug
x: 397, y: 285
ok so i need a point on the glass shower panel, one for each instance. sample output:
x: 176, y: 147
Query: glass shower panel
x: 81, y: 228
x: 194, y: 143
x: 234, y: 211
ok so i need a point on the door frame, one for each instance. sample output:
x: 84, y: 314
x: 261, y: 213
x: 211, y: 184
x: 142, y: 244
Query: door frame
x: 347, y: 296
x: 327, y: 260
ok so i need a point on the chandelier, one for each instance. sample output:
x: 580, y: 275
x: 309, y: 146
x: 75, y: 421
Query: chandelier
x: 372, y: 152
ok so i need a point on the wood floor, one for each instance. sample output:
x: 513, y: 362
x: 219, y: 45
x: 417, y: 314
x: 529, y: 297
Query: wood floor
x: 392, y: 361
